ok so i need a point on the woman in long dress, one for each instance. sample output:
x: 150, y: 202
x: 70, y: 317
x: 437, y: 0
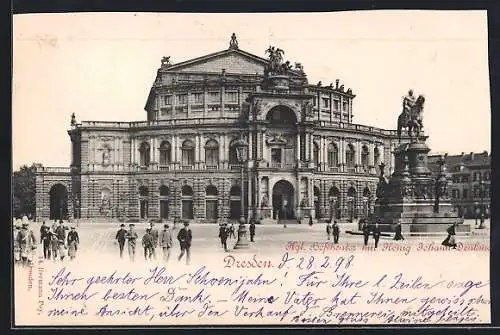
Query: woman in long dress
x: 73, y: 241
x: 398, y: 236
x: 450, y: 241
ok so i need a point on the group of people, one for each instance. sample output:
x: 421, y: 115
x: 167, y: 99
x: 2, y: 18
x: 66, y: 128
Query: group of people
x: 152, y: 240
x: 54, y: 241
x: 227, y: 231
x: 333, y: 229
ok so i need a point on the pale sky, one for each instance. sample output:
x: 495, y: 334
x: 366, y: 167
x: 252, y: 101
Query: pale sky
x: 101, y: 67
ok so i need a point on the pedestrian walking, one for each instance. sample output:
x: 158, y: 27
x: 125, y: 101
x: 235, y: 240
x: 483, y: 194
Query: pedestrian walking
x: 366, y: 232
x: 328, y: 230
x: 335, y: 232
x: 450, y: 240
x: 17, y: 249
x: 376, y: 233
x: 45, y: 239
x: 154, y: 234
x: 54, y: 245
x: 131, y: 237
x: 231, y: 231
x: 310, y: 221
x: 73, y: 242
x: 223, y: 235
x: 147, y: 244
x: 120, y: 237
x: 252, y: 230
x: 27, y: 244
x: 185, y: 237
x: 398, y: 232
x: 61, y: 231
x: 54, y: 226
x: 166, y: 242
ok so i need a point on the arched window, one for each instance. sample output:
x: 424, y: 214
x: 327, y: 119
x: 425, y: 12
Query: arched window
x: 165, y: 152
x: 143, y: 202
x: 187, y: 202
x: 106, y: 155
x: 233, y: 155
x: 334, y: 202
x: 145, y: 154
x: 349, y: 156
x: 187, y: 153
x: 281, y: 115
x: 164, y: 203
x: 316, y: 154
x: 333, y: 155
x: 211, y: 204
x: 351, y: 203
x: 211, y: 154
x: 164, y: 191
x: 364, y: 158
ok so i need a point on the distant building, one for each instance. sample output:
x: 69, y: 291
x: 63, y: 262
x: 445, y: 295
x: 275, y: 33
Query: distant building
x: 466, y: 172
x: 305, y: 154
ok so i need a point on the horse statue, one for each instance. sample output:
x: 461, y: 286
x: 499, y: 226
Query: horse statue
x: 411, y: 118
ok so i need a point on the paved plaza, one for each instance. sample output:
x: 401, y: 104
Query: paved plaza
x: 97, y: 240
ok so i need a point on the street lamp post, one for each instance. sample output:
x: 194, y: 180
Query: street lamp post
x: 481, y: 204
x: 241, y: 147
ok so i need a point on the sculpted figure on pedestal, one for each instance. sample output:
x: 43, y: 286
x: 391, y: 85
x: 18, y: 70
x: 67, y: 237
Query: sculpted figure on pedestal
x: 411, y: 116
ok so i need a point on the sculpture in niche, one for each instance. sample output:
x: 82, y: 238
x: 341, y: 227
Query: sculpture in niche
x: 305, y: 201
x: 265, y: 201
x: 105, y: 157
x: 73, y: 120
x: 105, y: 207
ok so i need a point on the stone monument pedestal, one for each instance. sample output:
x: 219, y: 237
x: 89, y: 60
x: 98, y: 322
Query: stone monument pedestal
x: 413, y: 197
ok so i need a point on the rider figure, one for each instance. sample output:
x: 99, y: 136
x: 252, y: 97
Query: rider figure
x: 408, y: 103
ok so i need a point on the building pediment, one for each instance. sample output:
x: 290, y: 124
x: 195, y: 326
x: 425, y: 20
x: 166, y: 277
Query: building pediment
x: 231, y: 60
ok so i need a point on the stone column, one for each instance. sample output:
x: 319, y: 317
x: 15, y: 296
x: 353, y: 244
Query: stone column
x: 222, y: 100
x: 341, y: 106
x: 297, y: 148
x: 250, y: 145
x: 307, y: 153
x: 342, y: 147
x: 205, y: 102
x: 264, y: 151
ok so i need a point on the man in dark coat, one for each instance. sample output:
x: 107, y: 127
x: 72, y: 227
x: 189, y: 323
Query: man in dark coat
x: 376, y: 233
x: 61, y: 231
x: 45, y: 239
x: 223, y: 235
x: 120, y: 237
x: 398, y: 232
x: 366, y: 232
x: 252, y: 230
x: 335, y: 232
x: 155, y: 236
x: 147, y: 244
x: 185, y: 237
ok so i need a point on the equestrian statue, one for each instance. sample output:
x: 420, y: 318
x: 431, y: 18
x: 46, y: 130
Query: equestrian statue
x: 411, y: 116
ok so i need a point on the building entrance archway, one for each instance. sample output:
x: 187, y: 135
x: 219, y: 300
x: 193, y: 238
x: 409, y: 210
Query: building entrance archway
x: 283, y: 200
x: 58, y: 202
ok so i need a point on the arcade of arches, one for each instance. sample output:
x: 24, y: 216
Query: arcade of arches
x: 220, y: 200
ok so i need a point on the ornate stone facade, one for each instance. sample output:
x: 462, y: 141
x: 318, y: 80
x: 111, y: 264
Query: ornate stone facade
x: 305, y: 154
